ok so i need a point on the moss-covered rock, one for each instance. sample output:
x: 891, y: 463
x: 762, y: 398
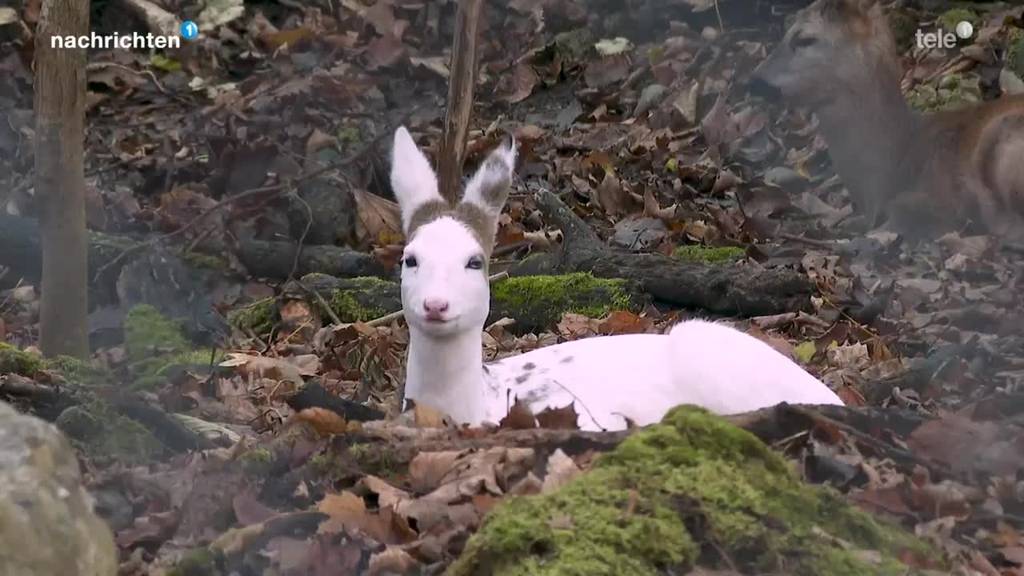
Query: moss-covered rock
x: 1015, y: 52
x: 257, y: 317
x: 681, y: 493
x: 257, y: 462
x: 952, y: 91
x: 360, y: 299
x: 354, y: 299
x: 14, y: 361
x: 77, y: 371
x: 155, y: 344
x: 197, y: 562
x: 709, y: 254
x: 101, y: 433
x: 538, y: 302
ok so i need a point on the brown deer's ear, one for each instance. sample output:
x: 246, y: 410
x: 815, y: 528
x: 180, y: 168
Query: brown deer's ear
x: 856, y: 15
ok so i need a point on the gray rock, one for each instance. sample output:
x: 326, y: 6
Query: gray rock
x: 47, y: 524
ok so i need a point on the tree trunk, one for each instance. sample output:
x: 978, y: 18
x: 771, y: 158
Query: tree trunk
x: 60, y: 179
x: 461, y: 81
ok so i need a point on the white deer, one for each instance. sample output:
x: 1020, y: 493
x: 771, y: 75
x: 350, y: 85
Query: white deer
x: 608, y: 379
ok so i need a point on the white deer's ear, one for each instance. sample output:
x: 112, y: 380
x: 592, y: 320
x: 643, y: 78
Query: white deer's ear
x: 489, y: 187
x: 412, y: 179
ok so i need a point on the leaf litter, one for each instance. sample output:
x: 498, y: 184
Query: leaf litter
x: 643, y: 133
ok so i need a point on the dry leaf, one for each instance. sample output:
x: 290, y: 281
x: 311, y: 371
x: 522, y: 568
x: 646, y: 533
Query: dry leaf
x: 560, y: 470
x: 565, y: 418
x: 378, y: 220
x: 392, y: 560
x: 519, y: 417
x: 518, y: 85
x: 324, y: 421
x: 428, y: 417
x: 612, y: 197
x: 428, y: 469
x: 265, y: 367
x: 624, y: 322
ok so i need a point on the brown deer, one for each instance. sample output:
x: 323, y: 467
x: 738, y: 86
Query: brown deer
x: 926, y: 173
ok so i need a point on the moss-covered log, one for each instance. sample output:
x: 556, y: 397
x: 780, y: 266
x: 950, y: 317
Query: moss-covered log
x: 691, y: 491
x: 716, y: 288
x: 535, y: 302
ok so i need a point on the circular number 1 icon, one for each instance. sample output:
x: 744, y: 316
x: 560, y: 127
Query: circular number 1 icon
x: 189, y: 30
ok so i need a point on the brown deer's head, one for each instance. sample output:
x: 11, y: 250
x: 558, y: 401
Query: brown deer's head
x: 833, y: 48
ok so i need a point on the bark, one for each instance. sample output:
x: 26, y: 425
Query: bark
x: 60, y: 178
x: 452, y: 151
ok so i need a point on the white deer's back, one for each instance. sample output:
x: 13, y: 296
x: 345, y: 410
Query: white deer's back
x: 609, y: 379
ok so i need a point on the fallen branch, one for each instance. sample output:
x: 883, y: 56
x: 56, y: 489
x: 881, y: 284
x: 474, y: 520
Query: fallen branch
x: 20, y: 251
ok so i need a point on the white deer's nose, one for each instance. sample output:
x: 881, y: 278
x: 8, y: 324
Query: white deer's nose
x: 435, y: 307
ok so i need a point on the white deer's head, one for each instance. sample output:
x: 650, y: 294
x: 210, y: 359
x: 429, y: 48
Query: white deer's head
x: 444, y: 268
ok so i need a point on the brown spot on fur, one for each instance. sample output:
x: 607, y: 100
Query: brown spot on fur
x: 522, y: 378
x: 496, y: 190
x: 482, y: 226
x: 566, y: 360
x: 426, y: 213
x: 529, y: 366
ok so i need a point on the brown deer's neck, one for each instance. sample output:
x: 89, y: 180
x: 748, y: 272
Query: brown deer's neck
x: 875, y: 141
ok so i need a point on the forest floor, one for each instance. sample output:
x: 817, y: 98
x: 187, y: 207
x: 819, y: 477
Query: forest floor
x: 271, y: 131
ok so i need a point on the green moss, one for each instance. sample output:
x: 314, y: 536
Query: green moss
x: 952, y: 91
x: 105, y: 247
x: 151, y: 372
x: 349, y: 134
x: 78, y: 371
x: 540, y: 301
x: 1015, y: 52
x: 355, y: 302
x: 14, y: 361
x: 207, y: 261
x: 689, y: 489
x: 257, y: 462
x: 368, y: 459
x: 257, y: 317
x: 148, y: 332
x: 197, y: 562
x: 574, y: 45
x: 950, y: 18
x: 156, y: 344
x: 709, y: 254
x: 100, y: 432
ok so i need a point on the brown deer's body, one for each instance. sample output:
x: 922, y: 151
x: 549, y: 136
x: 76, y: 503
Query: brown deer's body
x: 927, y: 173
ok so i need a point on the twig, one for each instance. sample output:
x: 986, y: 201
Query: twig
x: 388, y: 318
x: 305, y: 232
x: 320, y: 300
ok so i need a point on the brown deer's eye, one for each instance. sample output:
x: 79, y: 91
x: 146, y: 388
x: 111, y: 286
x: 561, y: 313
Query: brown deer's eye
x: 803, y: 41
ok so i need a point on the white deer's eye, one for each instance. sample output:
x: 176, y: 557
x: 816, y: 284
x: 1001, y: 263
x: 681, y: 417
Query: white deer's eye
x: 475, y: 263
x: 410, y: 261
